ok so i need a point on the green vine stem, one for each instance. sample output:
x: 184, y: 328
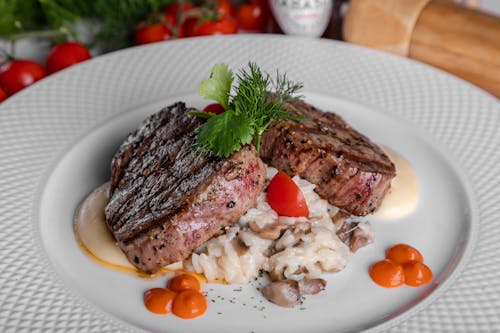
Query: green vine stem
x: 36, y: 34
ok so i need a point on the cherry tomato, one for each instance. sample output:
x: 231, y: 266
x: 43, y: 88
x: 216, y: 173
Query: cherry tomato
x: 252, y: 16
x: 66, y: 54
x: 172, y: 14
x: 285, y: 197
x: 3, y: 95
x: 224, y: 7
x: 184, y: 282
x: 159, y: 300
x: 19, y: 74
x: 151, y: 33
x: 387, y: 273
x: 214, y: 108
x: 189, y: 304
x: 173, y: 9
x: 172, y: 20
x: 224, y: 25
x: 402, y: 253
x: 417, y: 273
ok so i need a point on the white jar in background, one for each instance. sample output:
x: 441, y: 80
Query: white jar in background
x: 302, y: 17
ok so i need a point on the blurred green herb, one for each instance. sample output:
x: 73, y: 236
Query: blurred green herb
x: 109, y: 22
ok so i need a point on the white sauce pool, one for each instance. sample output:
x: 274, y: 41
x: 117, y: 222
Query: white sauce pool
x: 95, y: 238
x: 402, y: 198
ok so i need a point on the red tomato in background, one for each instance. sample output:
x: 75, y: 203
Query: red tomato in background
x: 19, y: 74
x: 285, y: 197
x: 3, y: 95
x: 151, y: 33
x: 173, y: 9
x: 252, y: 16
x: 66, y: 54
x: 224, y: 7
x: 214, y: 108
x: 172, y: 12
x: 224, y: 25
x: 173, y: 22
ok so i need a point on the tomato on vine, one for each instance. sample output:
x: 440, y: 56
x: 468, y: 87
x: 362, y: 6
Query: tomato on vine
x: 222, y: 26
x: 173, y: 9
x: 174, y: 12
x: 224, y: 7
x: 252, y: 16
x: 19, y: 74
x: 66, y: 54
x: 151, y: 33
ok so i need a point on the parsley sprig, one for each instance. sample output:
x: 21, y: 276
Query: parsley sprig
x: 250, y: 107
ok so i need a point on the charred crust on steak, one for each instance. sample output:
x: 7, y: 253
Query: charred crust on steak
x: 166, y: 199
x: 350, y: 171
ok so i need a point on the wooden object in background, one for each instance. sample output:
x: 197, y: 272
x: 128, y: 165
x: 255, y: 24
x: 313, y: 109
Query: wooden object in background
x: 462, y: 41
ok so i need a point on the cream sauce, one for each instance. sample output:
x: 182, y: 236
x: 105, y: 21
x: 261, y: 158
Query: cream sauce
x: 403, y: 196
x: 95, y: 238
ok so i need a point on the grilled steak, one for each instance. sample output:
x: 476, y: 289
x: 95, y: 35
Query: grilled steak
x: 166, y: 199
x: 349, y: 170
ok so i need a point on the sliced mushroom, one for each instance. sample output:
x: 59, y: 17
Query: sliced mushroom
x: 339, y: 218
x: 270, y: 231
x: 239, y: 246
x: 290, y: 238
x: 276, y: 275
x: 283, y: 293
x: 361, y: 236
x: 311, y: 286
x: 287, y: 293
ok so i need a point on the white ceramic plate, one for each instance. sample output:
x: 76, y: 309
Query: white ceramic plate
x: 57, y: 138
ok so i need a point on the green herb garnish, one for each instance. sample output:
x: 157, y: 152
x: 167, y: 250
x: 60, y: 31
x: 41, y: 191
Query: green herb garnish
x: 106, y: 24
x: 257, y: 101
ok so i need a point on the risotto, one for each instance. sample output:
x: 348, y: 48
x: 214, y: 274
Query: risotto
x: 285, y: 247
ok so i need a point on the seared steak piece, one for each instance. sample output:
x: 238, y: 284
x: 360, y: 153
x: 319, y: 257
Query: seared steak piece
x: 166, y: 199
x: 349, y: 170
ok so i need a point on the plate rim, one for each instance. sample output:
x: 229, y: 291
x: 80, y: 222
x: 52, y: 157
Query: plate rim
x: 43, y: 178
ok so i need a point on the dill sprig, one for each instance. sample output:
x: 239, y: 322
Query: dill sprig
x: 257, y: 101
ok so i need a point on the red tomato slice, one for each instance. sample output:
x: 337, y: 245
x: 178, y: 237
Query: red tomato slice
x: 66, y: 54
x: 214, y: 108
x: 3, y: 95
x: 19, y: 74
x: 285, y: 197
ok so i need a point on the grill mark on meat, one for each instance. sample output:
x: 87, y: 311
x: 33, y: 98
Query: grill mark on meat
x: 165, y: 199
x: 349, y: 170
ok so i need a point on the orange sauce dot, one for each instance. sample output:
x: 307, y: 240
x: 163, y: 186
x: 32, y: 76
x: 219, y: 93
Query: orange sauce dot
x: 159, y: 300
x: 417, y: 274
x: 189, y: 304
x: 387, y: 273
x: 184, y: 282
x: 403, y: 253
